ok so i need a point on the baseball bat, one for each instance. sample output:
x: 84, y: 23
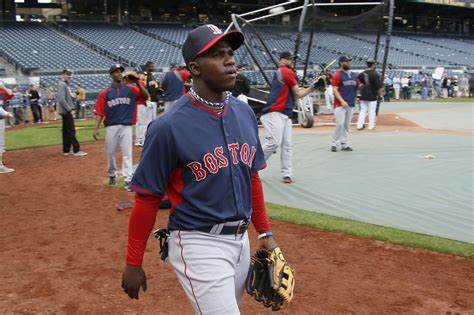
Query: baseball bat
x: 329, y: 65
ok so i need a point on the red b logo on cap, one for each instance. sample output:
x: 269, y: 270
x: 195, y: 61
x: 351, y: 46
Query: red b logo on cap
x: 215, y: 30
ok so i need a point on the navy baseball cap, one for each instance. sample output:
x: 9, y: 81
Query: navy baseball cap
x: 204, y: 37
x: 287, y: 55
x: 67, y: 71
x: 344, y: 59
x: 115, y: 67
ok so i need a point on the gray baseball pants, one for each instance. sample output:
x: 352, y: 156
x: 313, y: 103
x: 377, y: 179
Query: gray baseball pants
x: 211, y: 269
x: 279, y: 133
x: 343, y: 119
x: 120, y: 135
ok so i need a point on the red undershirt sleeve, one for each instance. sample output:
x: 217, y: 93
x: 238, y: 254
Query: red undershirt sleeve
x: 259, y: 215
x: 142, y: 221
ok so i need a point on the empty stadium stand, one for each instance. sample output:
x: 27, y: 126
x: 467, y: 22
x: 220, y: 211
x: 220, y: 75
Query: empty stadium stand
x: 90, y: 48
x: 33, y: 46
x: 132, y: 47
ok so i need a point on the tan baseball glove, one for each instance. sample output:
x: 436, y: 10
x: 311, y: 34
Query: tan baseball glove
x: 131, y: 76
x: 271, y: 280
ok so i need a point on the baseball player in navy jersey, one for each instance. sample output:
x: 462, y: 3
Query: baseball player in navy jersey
x: 173, y: 85
x: 345, y: 85
x: 117, y: 107
x: 209, y: 170
x: 278, y: 113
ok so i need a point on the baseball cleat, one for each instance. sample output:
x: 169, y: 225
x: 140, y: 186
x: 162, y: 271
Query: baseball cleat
x: 4, y: 169
x: 80, y: 153
x: 347, y: 149
x: 333, y: 148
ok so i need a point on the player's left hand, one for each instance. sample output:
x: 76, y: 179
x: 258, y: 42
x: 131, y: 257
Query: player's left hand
x: 96, y: 134
x: 131, y: 76
x: 267, y: 243
x: 133, y: 277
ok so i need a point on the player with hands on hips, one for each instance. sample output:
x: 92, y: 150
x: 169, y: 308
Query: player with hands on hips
x: 209, y: 171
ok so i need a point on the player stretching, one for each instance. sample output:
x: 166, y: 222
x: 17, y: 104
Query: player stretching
x: 209, y: 169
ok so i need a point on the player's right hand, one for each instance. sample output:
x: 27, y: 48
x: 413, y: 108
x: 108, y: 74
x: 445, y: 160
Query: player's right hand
x: 344, y: 104
x: 133, y: 277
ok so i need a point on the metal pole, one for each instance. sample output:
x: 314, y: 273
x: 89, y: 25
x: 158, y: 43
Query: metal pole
x: 379, y: 30
x: 310, y: 44
x: 237, y: 26
x: 391, y: 10
x: 300, y: 28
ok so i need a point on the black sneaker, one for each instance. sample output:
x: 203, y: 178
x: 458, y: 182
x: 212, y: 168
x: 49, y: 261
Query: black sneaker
x: 347, y: 149
x: 333, y: 148
x: 112, y: 181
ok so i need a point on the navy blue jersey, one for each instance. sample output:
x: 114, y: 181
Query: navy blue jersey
x: 280, y: 98
x: 347, y: 86
x: 173, y: 85
x: 203, y: 161
x: 117, y: 104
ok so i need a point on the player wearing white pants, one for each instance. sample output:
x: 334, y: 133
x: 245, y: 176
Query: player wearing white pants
x: 329, y: 97
x: 211, y: 269
x: 370, y: 108
x: 152, y: 106
x: 371, y: 89
x: 278, y: 133
x: 119, y: 135
x: 144, y: 117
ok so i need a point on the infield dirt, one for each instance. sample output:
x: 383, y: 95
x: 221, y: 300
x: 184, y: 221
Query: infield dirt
x: 63, y: 245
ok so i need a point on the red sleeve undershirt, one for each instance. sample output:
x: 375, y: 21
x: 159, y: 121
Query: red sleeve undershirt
x: 99, y: 108
x: 259, y: 215
x: 142, y: 220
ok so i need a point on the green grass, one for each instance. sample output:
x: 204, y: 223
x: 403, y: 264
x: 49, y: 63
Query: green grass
x: 50, y: 134
x: 47, y: 135
x: 452, y: 100
x: 370, y: 231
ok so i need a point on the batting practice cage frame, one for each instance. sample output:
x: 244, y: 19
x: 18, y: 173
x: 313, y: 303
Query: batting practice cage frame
x: 382, y: 14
